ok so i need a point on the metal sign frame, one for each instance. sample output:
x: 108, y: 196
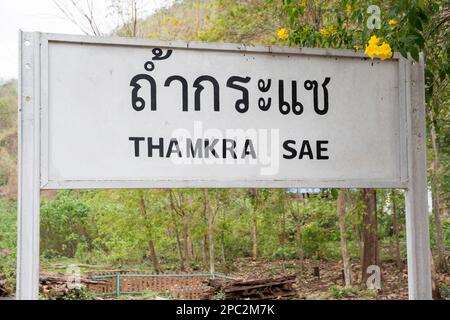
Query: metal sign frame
x: 33, y: 152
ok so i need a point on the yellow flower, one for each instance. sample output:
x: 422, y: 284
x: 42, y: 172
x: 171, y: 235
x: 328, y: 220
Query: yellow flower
x: 371, y: 51
x: 357, y: 47
x: 324, y: 32
x: 373, y: 41
x: 348, y: 8
x: 282, y: 33
x: 384, y: 51
x: 303, y: 4
x: 332, y: 29
x: 393, y: 22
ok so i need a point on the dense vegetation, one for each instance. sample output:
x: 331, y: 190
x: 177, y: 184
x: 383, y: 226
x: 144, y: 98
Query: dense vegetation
x: 210, y: 229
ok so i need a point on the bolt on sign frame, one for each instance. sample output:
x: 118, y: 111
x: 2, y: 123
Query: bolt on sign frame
x: 84, y: 123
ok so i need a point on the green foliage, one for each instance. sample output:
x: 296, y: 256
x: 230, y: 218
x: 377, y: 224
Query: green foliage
x: 445, y: 292
x: 147, y: 295
x: 110, y: 227
x: 65, y: 223
x: 79, y: 294
x: 338, y: 292
x: 282, y: 253
x: 8, y: 138
x: 341, y: 292
x: 121, y: 232
x: 249, y: 22
x: 408, y: 26
x: 320, y: 222
x: 8, y: 105
x: 8, y: 242
x: 348, y: 23
x: 220, y: 295
x: 246, y: 22
x: 445, y: 223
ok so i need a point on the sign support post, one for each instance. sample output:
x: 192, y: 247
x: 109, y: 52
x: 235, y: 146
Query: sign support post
x: 417, y: 225
x: 27, y: 287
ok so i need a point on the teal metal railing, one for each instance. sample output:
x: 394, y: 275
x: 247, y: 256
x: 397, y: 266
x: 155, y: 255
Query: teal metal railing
x: 119, y: 276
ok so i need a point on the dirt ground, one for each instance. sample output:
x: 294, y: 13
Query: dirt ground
x: 394, y: 282
x: 328, y: 285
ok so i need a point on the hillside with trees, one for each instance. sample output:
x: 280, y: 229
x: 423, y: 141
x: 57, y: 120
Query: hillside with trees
x: 326, y: 237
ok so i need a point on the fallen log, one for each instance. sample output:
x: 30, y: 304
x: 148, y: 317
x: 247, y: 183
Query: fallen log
x: 80, y: 265
x: 255, y: 289
x: 59, y: 278
x: 56, y: 285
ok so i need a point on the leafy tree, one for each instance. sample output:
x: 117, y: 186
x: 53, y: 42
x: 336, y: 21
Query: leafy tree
x: 64, y: 225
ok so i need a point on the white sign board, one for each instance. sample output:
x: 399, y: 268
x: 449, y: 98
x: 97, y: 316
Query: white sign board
x: 132, y: 113
x: 162, y: 114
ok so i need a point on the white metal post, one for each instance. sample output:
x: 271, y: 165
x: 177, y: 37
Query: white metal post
x: 417, y: 225
x: 29, y: 163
